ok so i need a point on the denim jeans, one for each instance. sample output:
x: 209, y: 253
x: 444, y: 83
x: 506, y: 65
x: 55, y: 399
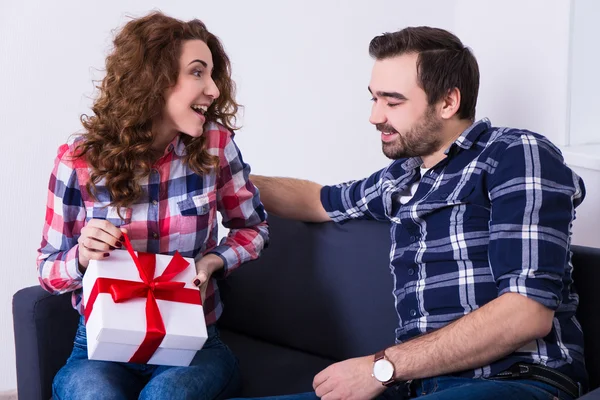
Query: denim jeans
x: 453, y: 388
x: 213, y: 374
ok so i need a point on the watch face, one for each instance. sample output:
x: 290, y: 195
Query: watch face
x: 383, y: 370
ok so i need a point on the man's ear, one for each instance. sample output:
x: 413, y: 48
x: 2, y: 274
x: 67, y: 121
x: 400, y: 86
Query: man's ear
x: 450, y: 103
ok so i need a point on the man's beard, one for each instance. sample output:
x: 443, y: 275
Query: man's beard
x: 421, y: 140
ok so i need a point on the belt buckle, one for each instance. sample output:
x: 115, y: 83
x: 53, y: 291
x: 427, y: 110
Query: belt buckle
x: 523, y: 370
x: 519, y: 371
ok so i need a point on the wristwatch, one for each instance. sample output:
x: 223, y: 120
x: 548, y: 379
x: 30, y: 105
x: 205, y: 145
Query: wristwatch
x: 383, y: 369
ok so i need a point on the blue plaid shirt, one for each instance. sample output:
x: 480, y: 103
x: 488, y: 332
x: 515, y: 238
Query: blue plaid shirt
x: 493, y: 217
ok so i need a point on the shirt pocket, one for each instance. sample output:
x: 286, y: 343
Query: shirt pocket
x: 118, y: 216
x: 196, y: 220
x: 437, y: 214
x: 445, y: 198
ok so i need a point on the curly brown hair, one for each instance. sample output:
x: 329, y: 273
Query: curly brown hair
x: 142, y: 66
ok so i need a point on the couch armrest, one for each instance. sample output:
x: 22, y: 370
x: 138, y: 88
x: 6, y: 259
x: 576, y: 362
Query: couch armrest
x: 586, y: 276
x: 593, y: 395
x: 44, y: 327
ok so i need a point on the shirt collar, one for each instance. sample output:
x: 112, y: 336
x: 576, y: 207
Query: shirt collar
x: 179, y: 145
x: 176, y: 145
x: 470, y: 135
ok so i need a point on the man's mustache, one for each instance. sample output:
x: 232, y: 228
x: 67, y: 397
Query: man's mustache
x: 385, y: 128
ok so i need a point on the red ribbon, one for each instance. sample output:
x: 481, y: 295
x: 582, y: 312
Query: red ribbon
x: 160, y: 288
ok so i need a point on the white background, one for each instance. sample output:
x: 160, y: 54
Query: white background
x: 302, y: 70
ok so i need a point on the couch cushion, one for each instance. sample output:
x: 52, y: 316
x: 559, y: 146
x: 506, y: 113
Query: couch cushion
x: 322, y: 288
x: 270, y: 370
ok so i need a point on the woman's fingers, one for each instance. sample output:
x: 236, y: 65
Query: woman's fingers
x: 200, y: 278
x: 115, y: 234
x: 98, y: 238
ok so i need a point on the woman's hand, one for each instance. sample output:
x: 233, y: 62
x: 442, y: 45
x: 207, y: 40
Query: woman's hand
x: 98, y: 238
x: 205, y: 267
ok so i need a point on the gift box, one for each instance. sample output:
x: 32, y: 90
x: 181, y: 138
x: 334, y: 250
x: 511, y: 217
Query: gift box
x: 143, y: 308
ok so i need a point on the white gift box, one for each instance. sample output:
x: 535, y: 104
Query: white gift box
x: 115, y: 331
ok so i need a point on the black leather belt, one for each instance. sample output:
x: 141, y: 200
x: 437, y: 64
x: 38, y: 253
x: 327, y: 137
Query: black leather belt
x: 541, y: 374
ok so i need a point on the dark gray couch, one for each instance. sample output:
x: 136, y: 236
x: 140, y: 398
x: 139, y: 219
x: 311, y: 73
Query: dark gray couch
x: 319, y: 294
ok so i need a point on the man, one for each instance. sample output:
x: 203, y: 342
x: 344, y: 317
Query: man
x: 480, y: 222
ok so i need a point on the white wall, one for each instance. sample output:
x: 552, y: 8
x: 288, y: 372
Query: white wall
x: 303, y: 75
x: 585, y: 84
x: 302, y: 72
x: 522, y: 47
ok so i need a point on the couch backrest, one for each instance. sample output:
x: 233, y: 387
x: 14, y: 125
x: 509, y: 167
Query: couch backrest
x: 322, y: 288
x: 327, y: 289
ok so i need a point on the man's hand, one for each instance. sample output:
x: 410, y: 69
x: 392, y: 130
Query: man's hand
x: 350, y: 379
x: 205, y: 267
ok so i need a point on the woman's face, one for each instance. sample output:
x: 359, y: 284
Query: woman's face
x: 186, y: 102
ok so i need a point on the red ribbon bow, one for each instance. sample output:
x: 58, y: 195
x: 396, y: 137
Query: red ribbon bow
x: 159, y: 288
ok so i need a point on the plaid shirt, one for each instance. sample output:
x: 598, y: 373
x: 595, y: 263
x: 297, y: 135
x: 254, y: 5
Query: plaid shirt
x: 493, y: 217
x: 177, y: 212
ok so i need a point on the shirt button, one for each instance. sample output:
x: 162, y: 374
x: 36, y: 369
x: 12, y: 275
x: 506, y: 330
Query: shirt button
x: 444, y: 195
x: 413, y: 313
x: 411, y: 271
x: 155, y: 235
x: 154, y: 202
x: 413, y: 239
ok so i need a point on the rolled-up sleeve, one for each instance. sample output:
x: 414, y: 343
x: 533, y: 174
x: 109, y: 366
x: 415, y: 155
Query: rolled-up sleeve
x: 57, y: 261
x: 360, y: 199
x: 243, y: 213
x: 533, y: 198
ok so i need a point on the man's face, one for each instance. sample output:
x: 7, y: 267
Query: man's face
x: 409, y: 126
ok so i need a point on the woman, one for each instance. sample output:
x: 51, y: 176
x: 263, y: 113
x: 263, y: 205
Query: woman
x: 157, y: 160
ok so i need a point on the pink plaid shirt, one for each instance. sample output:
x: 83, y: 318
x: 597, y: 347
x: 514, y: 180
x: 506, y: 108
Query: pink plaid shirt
x: 178, y: 212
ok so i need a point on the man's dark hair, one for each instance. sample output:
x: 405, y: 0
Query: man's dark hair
x: 443, y: 63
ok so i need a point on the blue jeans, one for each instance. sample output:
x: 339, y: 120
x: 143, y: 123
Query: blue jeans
x: 453, y: 388
x: 213, y: 374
